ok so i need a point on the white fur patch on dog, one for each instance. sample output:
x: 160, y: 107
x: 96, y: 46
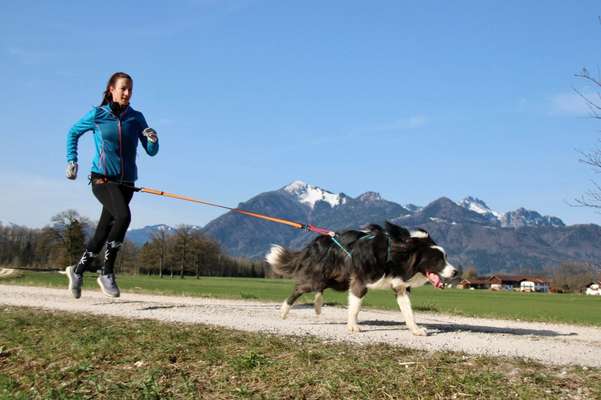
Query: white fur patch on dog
x: 405, y: 306
x: 284, y: 309
x: 274, y: 255
x: 318, y: 302
x: 354, y: 306
x: 440, y: 249
x: 417, y: 280
x: 385, y: 282
x: 419, y: 234
x: 448, y: 271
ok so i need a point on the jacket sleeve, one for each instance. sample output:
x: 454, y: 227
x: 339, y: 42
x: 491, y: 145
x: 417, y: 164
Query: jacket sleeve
x: 85, y: 124
x: 151, y: 148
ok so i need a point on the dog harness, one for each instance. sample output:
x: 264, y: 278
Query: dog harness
x: 349, y: 254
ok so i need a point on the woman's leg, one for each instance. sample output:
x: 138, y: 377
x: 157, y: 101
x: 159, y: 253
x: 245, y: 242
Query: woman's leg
x: 102, y: 231
x: 115, y: 199
x: 111, y: 228
x: 121, y: 219
x: 75, y: 273
x: 96, y: 242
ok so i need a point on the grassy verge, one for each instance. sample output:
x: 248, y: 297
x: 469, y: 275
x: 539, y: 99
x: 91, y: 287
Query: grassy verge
x: 566, y: 308
x: 58, y: 355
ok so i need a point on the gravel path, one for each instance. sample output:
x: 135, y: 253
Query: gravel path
x: 545, y: 342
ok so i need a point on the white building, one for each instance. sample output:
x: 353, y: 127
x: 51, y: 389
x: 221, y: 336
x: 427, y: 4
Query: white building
x: 593, y: 290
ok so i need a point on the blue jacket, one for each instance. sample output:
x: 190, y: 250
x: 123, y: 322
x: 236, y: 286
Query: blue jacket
x: 116, y: 141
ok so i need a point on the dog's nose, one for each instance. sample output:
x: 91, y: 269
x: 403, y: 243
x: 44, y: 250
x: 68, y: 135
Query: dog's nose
x: 455, y: 272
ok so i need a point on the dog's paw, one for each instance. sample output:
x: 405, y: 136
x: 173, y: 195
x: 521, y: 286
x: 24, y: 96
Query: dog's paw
x: 284, y: 310
x: 353, y: 328
x: 419, y: 332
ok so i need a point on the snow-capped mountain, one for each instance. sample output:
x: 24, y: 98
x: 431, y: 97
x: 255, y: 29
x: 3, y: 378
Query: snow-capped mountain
x: 301, y: 202
x: 445, y: 210
x: 142, y: 235
x: 412, y: 207
x: 511, y: 219
x: 369, y: 197
x: 157, y: 227
x: 471, y: 232
x: 479, y: 206
x: 522, y: 217
x: 309, y: 194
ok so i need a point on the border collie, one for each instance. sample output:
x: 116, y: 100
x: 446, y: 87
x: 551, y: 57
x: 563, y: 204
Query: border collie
x: 389, y: 257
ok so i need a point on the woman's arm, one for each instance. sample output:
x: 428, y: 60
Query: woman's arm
x: 85, y: 124
x: 151, y: 146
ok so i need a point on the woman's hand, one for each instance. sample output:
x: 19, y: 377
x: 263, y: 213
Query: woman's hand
x: 71, y: 170
x: 150, y: 134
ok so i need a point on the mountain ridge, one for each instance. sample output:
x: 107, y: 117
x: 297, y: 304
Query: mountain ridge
x: 472, y: 232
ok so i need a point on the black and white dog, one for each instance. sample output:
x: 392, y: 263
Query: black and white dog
x: 390, y: 257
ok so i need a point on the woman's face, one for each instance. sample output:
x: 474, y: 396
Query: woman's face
x: 121, y: 91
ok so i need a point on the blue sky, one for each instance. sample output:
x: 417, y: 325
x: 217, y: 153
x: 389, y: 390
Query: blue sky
x: 415, y: 100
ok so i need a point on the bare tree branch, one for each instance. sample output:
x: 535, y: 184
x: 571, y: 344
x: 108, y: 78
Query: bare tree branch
x: 592, y: 198
x: 592, y: 106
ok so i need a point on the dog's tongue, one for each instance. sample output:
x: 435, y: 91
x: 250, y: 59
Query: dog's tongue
x: 435, y: 279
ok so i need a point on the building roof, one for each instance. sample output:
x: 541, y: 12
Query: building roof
x: 476, y: 281
x: 519, y: 278
x: 486, y: 280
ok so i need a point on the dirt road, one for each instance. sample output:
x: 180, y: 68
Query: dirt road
x: 548, y: 343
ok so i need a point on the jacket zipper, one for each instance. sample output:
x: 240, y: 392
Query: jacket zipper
x: 120, y: 142
x: 120, y: 148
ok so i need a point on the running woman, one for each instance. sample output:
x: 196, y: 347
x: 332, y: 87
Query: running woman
x: 117, y: 129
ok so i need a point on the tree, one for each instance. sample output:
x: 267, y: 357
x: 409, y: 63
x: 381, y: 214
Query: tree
x: 205, y: 253
x: 470, y: 272
x: 68, y: 230
x: 183, y: 237
x: 127, y: 260
x: 27, y: 254
x: 160, y: 238
x: 573, y: 277
x: 154, y: 255
x: 17, y: 245
x: 592, y: 198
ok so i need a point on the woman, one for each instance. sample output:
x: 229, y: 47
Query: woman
x: 117, y: 129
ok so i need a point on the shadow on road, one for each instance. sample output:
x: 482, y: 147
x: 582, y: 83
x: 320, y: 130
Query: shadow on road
x: 438, y: 329
x: 451, y: 328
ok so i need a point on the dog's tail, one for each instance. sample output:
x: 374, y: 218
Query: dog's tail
x: 280, y: 260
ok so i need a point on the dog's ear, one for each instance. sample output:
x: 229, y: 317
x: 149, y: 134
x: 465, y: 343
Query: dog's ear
x: 423, y: 237
x: 374, y: 228
x: 397, y: 232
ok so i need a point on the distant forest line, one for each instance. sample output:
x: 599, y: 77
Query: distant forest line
x: 62, y: 242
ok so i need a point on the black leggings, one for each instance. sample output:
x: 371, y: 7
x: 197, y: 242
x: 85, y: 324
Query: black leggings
x: 115, y: 217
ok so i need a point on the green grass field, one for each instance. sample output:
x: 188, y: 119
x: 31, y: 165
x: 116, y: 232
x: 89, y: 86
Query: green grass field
x: 566, y: 308
x: 54, y: 355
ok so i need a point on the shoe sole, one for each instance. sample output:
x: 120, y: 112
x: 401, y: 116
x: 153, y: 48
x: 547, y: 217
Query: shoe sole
x: 69, y: 271
x: 107, y: 294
